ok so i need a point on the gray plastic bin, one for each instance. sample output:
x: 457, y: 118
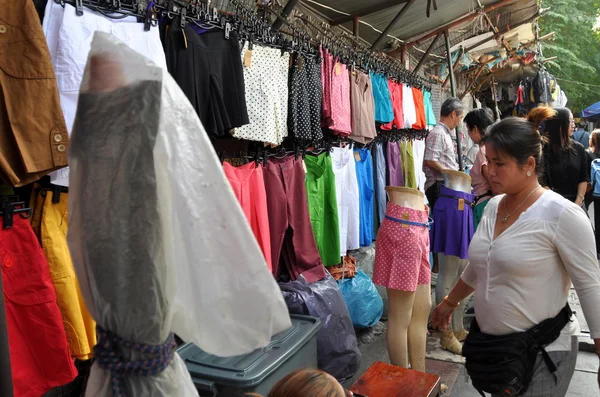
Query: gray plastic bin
x: 258, y: 371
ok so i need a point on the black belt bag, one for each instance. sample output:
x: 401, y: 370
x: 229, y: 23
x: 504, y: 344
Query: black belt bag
x: 503, y: 365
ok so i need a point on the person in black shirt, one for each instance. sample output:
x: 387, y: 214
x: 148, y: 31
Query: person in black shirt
x: 592, y: 154
x: 566, y: 168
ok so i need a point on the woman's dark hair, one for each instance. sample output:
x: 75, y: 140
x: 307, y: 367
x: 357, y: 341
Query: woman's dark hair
x: 557, y: 131
x: 520, y: 138
x: 304, y: 383
x: 480, y: 118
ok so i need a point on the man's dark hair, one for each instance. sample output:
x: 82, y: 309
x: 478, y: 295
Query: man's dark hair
x: 450, y: 105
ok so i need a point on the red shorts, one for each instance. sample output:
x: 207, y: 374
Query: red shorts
x: 39, y: 352
x: 402, y: 251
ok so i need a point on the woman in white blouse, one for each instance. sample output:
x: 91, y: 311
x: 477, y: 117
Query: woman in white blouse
x: 530, y: 246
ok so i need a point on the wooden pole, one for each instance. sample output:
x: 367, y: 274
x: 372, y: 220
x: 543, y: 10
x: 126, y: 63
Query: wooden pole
x: 453, y: 92
x: 391, y: 25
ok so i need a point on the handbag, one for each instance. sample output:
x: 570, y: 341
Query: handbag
x: 504, y: 364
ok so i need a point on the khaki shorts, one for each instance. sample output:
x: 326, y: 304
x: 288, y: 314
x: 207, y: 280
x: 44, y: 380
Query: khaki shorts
x: 33, y: 135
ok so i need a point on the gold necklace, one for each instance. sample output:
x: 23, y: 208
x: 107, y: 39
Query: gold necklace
x: 520, y: 205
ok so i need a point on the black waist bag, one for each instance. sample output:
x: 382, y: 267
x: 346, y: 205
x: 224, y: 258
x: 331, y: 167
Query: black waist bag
x: 504, y: 364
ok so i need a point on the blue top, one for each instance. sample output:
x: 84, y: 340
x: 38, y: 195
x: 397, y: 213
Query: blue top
x: 384, y: 113
x: 364, y: 175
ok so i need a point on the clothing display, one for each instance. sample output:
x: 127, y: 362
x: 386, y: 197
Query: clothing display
x: 169, y: 249
x: 453, y: 228
x: 363, y: 108
x: 292, y: 239
x: 266, y: 87
x: 429, y: 113
x: 418, y: 155
x: 408, y: 164
x: 364, y: 174
x: 31, y: 147
x: 69, y: 38
x: 408, y: 107
x: 208, y: 157
x: 39, y: 350
x: 421, y: 119
x: 208, y: 68
x: 384, y: 112
x: 322, y: 206
x: 346, y: 187
x: 305, y: 98
x: 379, y: 171
x: 402, y: 252
x: 394, y: 163
x: 248, y: 185
x: 337, y: 113
x: 50, y: 224
x: 397, y: 105
x: 534, y: 260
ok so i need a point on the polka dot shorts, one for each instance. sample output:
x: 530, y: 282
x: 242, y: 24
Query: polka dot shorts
x: 402, y: 252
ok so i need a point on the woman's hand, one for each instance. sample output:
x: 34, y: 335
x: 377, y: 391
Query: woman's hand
x: 441, y: 316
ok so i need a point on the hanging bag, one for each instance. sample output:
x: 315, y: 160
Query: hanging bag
x: 503, y: 365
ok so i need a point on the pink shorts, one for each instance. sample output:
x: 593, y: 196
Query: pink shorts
x: 402, y: 251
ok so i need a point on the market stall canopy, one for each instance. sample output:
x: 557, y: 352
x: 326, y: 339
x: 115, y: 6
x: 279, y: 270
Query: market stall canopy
x: 592, y: 112
x: 420, y: 21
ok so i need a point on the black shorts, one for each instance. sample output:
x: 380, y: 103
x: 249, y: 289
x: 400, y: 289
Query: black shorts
x: 208, y: 68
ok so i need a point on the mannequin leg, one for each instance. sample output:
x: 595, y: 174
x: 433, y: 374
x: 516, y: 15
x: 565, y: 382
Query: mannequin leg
x: 417, y: 329
x: 451, y: 268
x: 399, y: 318
x: 459, y: 314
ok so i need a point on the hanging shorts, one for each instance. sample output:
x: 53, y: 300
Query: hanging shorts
x: 50, y: 223
x: 452, y: 229
x: 396, y: 96
x: 39, y: 352
x: 305, y: 99
x: 341, y: 112
x: 363, y: 108
x: 421, y: 123
x: 69, y: 39
x: 266, y: 80
x: 408, y: 107
x: 394, y: 164
x: 208, y: 68
x: 384, y: 112
x: 402, y: 251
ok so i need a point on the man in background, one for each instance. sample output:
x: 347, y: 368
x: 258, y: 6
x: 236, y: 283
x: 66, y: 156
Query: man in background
x: 581, y: 135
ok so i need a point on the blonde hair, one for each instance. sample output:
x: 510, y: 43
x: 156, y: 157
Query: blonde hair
x: 305, y: 383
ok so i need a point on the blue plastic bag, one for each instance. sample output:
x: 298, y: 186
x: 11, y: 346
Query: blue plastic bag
x: 363, y: 300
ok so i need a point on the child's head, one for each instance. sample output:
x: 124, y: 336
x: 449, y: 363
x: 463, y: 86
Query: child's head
x: 308, y: 382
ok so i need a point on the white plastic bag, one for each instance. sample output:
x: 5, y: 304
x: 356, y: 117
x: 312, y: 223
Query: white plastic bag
x: 158, y: 240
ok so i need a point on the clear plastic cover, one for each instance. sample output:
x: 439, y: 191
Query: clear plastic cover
x: 158, y: 240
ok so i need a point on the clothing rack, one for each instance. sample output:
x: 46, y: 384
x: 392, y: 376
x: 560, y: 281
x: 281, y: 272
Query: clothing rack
x: 250, y: 26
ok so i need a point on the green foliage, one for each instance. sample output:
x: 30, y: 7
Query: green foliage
x: 577, y: 47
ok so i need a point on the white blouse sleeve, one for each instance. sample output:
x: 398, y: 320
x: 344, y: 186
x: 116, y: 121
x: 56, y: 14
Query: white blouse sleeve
x: 469, y: 276
x: 576, y: 246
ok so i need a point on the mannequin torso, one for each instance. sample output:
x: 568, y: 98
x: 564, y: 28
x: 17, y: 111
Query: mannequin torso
x: 406, y: 197
x: 457, y: 180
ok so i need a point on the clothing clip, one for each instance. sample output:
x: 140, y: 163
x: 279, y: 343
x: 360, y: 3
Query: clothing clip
x: 79, y: 7
x: 227, y: 30
x: 182, y: 18
x: 56, y: 190
x: 148, y: 15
